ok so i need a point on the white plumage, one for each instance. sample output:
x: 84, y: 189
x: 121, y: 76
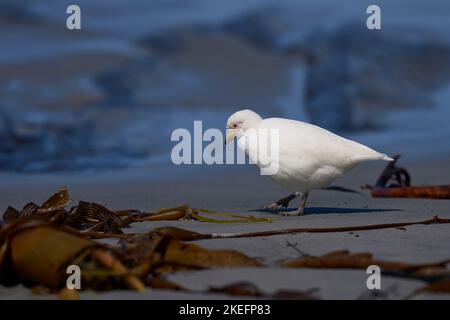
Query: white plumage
x: 309, y: 157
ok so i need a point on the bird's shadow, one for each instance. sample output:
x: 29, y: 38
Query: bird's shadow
x: 327, y: 210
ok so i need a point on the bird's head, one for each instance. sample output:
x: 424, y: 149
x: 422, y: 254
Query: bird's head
x: 240, y: 121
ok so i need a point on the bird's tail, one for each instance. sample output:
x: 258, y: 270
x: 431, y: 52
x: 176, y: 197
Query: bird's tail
x: 372, y: 155
x: 363, y: 153
x: 386, y: 158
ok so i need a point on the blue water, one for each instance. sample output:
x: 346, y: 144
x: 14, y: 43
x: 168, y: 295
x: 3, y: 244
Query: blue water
x: 109, y: 96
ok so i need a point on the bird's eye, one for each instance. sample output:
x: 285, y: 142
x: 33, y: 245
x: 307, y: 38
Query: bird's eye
x: 235, y: 125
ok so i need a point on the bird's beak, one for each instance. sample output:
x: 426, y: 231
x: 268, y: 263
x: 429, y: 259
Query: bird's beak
x: 231, y: 134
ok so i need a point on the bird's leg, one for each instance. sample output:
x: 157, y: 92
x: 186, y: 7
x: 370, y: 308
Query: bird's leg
x: 282, y: 203
x: 301, y: 209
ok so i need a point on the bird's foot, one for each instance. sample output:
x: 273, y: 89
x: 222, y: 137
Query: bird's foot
x: 275, y: 207
x: 292, y: 213
x: 301, y: 210
x: 280, y: 204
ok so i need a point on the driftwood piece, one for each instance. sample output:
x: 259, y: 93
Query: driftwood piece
x: 428, y: 192
x: 186, y: 235
x: 395, y: 182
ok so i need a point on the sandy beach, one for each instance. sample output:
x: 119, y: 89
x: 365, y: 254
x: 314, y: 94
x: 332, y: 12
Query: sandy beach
x: 242, y: 191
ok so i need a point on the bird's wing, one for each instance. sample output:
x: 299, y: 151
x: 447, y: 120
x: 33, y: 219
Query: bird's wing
x: 313, y: 143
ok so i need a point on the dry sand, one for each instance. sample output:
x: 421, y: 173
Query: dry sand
x: 241, y: 189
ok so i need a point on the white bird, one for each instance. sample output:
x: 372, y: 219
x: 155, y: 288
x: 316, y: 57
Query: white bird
x: 309, y: 157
